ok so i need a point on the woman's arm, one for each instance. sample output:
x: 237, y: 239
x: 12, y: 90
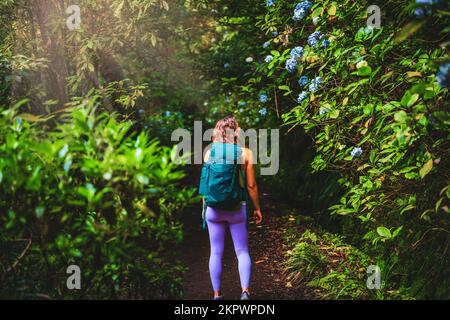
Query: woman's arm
x: 252, y: 187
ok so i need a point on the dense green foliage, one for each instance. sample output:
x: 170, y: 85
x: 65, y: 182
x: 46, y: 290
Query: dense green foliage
x: 125, y: 43
x: 333, y: 268
x: 328, y: 264
x: 377, y: 115
x: 86, y: 115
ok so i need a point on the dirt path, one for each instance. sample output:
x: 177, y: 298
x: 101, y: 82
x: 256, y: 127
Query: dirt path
x: 267, y: 249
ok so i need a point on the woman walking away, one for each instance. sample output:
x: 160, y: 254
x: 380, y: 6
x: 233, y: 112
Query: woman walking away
x: 227, y: 180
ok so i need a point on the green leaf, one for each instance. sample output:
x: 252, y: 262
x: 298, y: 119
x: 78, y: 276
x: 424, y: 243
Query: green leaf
x: 397, y: 231
x: 332, y: 10
x: 412, y: 74
x: 409, y: 99
x: 91, y: 67
x: 363, y: 34
x: 368, y: 109
x: 384, y: 232
x: 364, y: 71
x: 39, y: 211
x: 411, y: 176
x: 317, y: 12
x: 142, y: 179
x: 153, y: 40
x: 408, y: 30
x: 426, y: 168
x: 275, y: 53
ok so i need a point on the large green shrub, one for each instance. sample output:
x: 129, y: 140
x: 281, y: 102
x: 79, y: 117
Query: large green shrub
x: 89, y: 192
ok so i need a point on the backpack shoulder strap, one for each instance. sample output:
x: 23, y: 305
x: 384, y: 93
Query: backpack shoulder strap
x: 204, y: 176
x: 212, y: 153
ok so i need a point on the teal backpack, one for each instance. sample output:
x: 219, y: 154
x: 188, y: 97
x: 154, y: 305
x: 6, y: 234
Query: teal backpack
x: 222, y: 181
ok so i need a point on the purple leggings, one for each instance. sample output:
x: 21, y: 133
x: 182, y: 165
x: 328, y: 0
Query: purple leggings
x: 217, y: 221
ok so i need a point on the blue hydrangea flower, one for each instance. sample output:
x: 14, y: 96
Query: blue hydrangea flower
x: 314, y: 38
x: 317, y: 34
x: 315, y: 83
x: 325, y: 43
x: 356, y: 152
x: 425, y: 7
x: 275, y: 33
x: 168, y: 113
x: 301, y: 9
x: 226, y: 65
x: 432, y: 120
x: 313, y: 86
x: 312, y: 42
x: 297, y: 52
x: 268, y: 58
x: 270, y: 3
x: 443, y: 75
x: 263, y: 98
x: 324, y: 111
x: 302, y: 96
x: 266, y: 44
x: 305, y: 5
x: 263, y: 111
x: 303, y: 81
x: 291, y: 65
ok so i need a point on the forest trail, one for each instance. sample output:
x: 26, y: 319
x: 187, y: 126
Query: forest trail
x: 267, y: 248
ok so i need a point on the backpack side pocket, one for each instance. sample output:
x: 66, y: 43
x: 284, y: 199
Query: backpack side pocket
x: 204, y: 177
